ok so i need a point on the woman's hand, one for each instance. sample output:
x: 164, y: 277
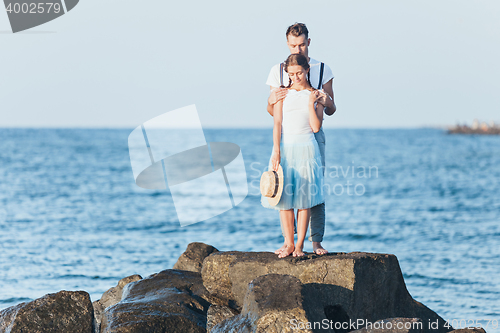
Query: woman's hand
x: 316, y: 96
x: 323, y: 96
x: 275, y: 160
x: 315, y: 110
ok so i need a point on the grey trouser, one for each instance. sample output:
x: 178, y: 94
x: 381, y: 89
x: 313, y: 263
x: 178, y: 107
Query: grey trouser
x: 317, y: 221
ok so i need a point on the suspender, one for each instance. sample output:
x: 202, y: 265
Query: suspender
x: 320, y: 84
x: 281, y: 75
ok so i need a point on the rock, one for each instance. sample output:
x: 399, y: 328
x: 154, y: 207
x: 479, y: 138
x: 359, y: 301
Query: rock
x: 65, y: 311
x: 469, y: 330
x: 393, y: 325
x: 111, y: 297
x: 192, y: 258
x: 170, y: 301
x: 114, y: 295
x: 351, y: 286
x: 215, y: 274
x: 281, y: 303
x: 218, y: 313
x: 234, y: 325
x: 274, y: 301
x: 273, y: 304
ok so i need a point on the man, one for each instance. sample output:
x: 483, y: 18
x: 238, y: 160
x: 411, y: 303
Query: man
x: 298, y: 41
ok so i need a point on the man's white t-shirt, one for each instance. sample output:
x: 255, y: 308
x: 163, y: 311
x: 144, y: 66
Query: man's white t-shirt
x: 273, y: 79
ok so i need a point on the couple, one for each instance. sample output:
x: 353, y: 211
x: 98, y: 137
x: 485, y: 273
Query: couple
x: 301, y: 90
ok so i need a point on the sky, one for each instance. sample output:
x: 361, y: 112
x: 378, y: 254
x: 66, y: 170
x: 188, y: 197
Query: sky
x: 117, y: 64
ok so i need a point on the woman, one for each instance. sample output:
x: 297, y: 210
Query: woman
x: 296, y: 118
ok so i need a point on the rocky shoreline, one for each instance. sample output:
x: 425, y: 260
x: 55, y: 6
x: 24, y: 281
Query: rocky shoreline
x: 212, y: 291
x: 476, y: 128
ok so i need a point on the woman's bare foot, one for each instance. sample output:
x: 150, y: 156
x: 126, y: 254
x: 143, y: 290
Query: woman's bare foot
x: 278, y: 251
x: 287, y: 250
x: 318, y: 249
x: 298, y: 251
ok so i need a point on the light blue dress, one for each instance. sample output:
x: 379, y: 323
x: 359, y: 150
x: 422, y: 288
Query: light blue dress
x: 300, y: 157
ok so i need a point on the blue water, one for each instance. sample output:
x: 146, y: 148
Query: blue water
x: 71, y: 216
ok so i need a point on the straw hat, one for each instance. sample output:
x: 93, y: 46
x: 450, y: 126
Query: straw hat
x: 271, y: 185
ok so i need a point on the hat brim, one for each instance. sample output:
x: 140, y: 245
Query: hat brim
x: 274, y: 201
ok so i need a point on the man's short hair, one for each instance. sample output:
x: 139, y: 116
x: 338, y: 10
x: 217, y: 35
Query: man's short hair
x: 297, y: 29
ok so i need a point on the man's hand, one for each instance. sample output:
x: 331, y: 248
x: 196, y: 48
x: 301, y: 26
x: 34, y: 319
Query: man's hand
x: 277, y: 95
x: 330, y: 107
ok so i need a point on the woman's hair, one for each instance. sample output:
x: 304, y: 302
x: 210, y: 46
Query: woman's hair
x: 297, y: 60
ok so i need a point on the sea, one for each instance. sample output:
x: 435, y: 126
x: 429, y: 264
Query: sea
x: 73, y: 218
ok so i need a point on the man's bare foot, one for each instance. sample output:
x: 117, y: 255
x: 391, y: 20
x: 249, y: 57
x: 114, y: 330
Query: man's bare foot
x: 287, y: 250
x: 298, y: 251
x: 278, y: 251
x: 318, y: 249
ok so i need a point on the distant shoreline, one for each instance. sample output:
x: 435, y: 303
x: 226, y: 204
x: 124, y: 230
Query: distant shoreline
x: 468, y: 130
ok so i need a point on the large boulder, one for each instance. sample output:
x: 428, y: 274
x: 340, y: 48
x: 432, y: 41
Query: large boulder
x: 273, y: 304
x: 111, y: 297
x: 347, y: 286
x: 170, y: 301
x: 281, y: 303
x: 192, y: 258
x: 65, y: 311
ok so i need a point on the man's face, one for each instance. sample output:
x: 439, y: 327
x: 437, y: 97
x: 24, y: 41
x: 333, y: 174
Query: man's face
x: 298, y: 44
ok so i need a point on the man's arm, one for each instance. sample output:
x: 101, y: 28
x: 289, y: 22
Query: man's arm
x: 277, y: 94
x: 329, y: 104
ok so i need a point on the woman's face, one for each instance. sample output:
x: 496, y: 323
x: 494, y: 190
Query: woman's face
x: 297, y: 74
